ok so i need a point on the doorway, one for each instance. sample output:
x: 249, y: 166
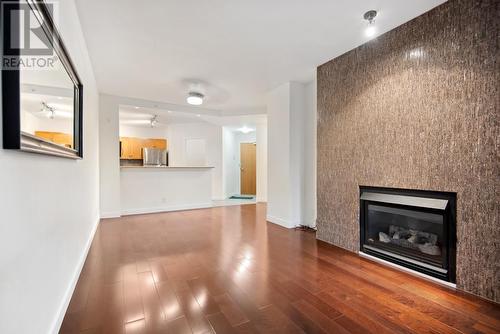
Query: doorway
x: 248, y: 168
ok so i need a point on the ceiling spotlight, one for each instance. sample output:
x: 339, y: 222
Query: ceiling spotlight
x: 198, y: 115
x: 136, y: 107
x: 48, y: 110
x: 154, y: 121
x: 245, y: 130
x: 370, y: 17
x: 195, y: 99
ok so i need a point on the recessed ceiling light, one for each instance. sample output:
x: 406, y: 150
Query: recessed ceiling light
x: 195, y: 99
x: 246, y: 129
x: 371, y: 30
x: 169, y: 111
x: 198, y: 115
x: 136, y: 107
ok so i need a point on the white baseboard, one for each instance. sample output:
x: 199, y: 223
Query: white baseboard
x: 56, y: 325
x: 289, y: 224
x: 309, y: 223
x: 140, y: 211
x: 106, y: 215
x: 408, y: 270
x: 280, y: 221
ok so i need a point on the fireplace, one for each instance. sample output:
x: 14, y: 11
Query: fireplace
x: 415, y: 229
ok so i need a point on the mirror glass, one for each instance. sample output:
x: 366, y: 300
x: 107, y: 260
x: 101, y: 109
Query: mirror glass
x: 47, y: 104
x: 42, y: 94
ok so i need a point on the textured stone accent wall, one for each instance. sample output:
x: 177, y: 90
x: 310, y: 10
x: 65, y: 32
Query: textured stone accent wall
x: 418, y: 108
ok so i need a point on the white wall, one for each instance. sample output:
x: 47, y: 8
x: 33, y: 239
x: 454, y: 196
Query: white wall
x: 230, y: 169
x: 261, y: 134
x: 178, y: 134
x: 309, y: 214
x: 50, y: 208
x: 297, y: 117
x: 109, y: 156
x: 31, y: 123
x: 241, y: 137
x: 146, y: 190
x: 291, y: 128
x: 278, y: 157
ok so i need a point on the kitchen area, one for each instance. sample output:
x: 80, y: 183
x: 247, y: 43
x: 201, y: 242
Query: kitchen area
x: 158, y: 157
x: 150, y: 180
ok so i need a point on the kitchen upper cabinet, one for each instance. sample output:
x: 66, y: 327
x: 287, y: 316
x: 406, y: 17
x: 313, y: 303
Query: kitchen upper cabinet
x: 156, y: 143
x: 124, y: 148
x: 131, y: 147
x: 60, y: 138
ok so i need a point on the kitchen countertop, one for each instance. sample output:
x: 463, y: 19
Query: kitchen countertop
x: 165, y: 167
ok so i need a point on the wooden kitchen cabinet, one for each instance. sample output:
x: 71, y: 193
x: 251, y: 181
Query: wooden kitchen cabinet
x: 60, y: 138
x: 124, y: 148
x: 131, y: 147
x: 156, y: 143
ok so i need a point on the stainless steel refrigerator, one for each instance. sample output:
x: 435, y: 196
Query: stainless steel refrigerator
x: 154, y: 157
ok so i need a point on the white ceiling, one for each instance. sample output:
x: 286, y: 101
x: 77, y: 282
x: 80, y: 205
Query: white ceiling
x: 141, y: 117
x: 32, y: 103
x: 233, y: 50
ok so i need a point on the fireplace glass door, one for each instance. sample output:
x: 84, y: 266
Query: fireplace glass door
x: 411, y: 234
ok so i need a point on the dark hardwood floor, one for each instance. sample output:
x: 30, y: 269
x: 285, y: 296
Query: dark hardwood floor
x: 225, y: 270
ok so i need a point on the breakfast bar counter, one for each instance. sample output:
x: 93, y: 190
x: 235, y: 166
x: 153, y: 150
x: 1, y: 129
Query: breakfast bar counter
x: 148, y: 189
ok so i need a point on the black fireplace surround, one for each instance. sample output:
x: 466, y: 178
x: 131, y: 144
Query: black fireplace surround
x: 411, y: 228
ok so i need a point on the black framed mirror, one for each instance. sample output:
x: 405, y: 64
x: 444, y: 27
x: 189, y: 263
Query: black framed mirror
x: 42, y: 94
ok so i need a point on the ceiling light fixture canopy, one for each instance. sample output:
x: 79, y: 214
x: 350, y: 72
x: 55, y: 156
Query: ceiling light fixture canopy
x: 370, y: 17
x: 195, y: 98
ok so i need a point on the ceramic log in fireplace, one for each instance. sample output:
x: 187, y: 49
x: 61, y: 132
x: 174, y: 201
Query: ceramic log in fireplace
x: 411, y: 228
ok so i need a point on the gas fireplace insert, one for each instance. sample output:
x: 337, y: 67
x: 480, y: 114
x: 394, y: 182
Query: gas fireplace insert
x: 411, y: 228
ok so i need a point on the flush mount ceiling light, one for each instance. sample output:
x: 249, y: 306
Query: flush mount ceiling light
x: 195, y: 98
x: 371, y: 30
